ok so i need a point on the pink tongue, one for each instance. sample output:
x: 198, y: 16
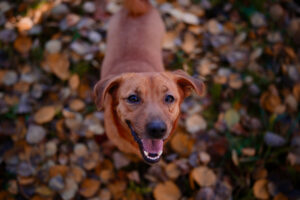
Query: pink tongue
x: 152, y: 146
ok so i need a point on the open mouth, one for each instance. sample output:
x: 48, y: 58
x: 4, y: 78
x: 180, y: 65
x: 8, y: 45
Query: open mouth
x: 151, y: 149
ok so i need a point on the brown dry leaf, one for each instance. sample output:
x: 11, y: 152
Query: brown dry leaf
x: 296, y: 91
x: 44, y: 191
x: 166, y: 191
x: 270, y: 102
x: 58, y: 170
x: 204, y: 176
x: 76, y: 105
x: 280, y: 196
x: 74, y: 81
x: 44, y: 114
x: 23, y: 44
x: 59, y: 65
x: 22, y: 87
x: 172, y: 171
x: 89, y: 187
x: 117, y: 189
x: 25, y: 180
x: 169, y: 40
x: 106, y: 175
x: 41, y: 198
x: 290, y: 52
x: 189, y: 43
x: 84, y: 91
x: 78, y: 173
x: 2, y: 74
x: 260, y: 173
x: 260, y: 189
x: 104, y: 194
x: 182, y: 144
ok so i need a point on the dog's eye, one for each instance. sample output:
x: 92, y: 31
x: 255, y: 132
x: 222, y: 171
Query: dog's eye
x: 133, y: 99
x: 169, y: 99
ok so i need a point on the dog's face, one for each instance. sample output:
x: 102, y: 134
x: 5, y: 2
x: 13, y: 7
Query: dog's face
x: 148, y: 105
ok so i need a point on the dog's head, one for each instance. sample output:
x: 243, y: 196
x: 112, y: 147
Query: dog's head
x: 147, y: 105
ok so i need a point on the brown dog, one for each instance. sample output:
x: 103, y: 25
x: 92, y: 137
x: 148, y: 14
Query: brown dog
x: 141, y: 100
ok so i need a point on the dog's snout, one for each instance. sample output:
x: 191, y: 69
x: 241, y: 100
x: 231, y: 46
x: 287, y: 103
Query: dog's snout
x: 156, y: 129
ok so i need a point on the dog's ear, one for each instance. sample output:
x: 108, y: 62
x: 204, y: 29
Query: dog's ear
x: 103, y: 87
x: 187, y: 82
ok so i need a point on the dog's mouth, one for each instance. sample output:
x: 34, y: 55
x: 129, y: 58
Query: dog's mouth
x: 151, y: 149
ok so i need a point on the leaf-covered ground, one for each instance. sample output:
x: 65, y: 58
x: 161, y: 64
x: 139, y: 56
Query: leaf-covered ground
x: 241, y: 141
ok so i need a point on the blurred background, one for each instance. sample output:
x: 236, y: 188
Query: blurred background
x: 241, y: 141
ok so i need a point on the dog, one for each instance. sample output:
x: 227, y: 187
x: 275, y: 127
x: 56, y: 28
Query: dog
x: 141, y: 100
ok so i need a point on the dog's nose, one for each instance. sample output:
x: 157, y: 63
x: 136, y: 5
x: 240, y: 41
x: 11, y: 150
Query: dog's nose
x: 156, y: 129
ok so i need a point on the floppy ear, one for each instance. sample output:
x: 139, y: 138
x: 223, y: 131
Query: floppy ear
x: 103, y: 87
x: 187, y: 82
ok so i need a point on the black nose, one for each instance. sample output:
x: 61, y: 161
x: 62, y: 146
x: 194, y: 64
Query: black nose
x: 156, y: 129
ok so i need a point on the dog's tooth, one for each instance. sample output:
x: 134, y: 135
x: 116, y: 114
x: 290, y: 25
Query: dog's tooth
x: 160, y: 152
x: 146, y: 153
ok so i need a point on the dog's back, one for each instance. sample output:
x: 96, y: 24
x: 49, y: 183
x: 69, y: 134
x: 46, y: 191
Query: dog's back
x: 137, y: 7
x: 134, y: 40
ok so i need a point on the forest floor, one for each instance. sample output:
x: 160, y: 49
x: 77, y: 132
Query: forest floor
x: 241, y: 141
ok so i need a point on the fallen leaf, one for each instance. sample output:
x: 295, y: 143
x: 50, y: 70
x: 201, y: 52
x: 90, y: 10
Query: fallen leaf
x: 74, y: 81
x: 104, y: 194
x: 235, y: 81
x: 296, y: 92
x: 76, y: 105
x: 204, y: 157
x: 44, y: 114
x: 271, y: 102
x: 189, y: 43
x: 117, y: 189
x: 182, y: 144
x: 23, y: 44
x: 248, y: 151
x: 166, y: 191
x: 59, y: 65
x: 260, y: 189
x: 260, y: 173
x: 231, y: 117
x: 204, y: 176
x: 235, y: 158
x: 172, y: 171
x: 195, y: 123
x: 280, y: 196
x: 89, y: 187
x: 169, y: 40
x: 58, y: 170
x: 25, y: 24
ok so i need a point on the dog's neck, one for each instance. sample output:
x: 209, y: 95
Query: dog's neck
x: 131, y: 66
